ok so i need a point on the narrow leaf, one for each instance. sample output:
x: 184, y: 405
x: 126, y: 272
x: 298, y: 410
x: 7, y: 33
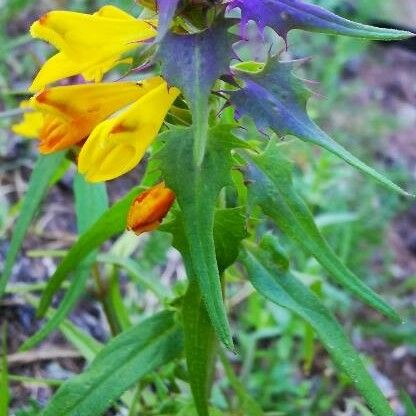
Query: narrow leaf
x: 91, y: 202
x: 200, y: 341
x: 112, y: 222
x: 285, y: 15
x: 197, y: 190
x: 43, y: 171
x: 282, y: 288
x: 4, y: 375
x: 200, y: 346
x: 276, y: 99
x: 273, y: 190
x: 83, y: 342
x: 139, y: 275
x: 408, y: 403
x: 166, y: 10
x: 121, y: 363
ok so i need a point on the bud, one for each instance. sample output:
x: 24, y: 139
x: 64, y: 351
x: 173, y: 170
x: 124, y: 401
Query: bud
x: 149, y: 208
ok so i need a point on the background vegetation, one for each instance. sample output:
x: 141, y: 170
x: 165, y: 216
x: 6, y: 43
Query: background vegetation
x: 368, y: 104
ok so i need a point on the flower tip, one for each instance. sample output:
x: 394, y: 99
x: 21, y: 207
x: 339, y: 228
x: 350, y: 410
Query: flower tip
x: 37, y: 25
x: 43, y: 19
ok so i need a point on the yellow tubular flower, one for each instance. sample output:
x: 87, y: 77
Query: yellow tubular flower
x: 72, y: 112
x: 88, y: 44
x: 149, y: 208
x: 117, y: 145
x: 31, y: 123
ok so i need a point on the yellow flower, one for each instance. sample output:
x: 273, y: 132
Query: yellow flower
x: 114, y: 123
x: 89, y: 45
x: 31, y: 123
x: 117, y: 145
x: 149, y: 208
x: 72, y: 112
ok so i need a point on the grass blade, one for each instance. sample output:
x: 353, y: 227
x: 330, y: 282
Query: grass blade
x: 43, y: 171
x: 91, y: 201
x: 112, y: 222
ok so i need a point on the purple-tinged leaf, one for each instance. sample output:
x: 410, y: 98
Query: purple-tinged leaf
x: 166, y: 10
x: 285, y: 15
x: 274, y: 98
x: 193, y: 63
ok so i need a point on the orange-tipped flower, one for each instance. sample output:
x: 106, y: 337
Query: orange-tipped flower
x: 149, y: 208
x: 72, y: 112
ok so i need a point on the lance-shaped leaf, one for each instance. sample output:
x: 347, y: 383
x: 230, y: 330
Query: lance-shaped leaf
x: 284, y: 15
x: 280, y: 287
x: 271, y: 187
x: 200, y: 340
x: 121, y: 363
x: 43, y: 172
x: 200, y: 346
x: 112, y: 222
x: 90, y: 203
x: 193, y: 63
x: 197, y: 190
x: 166, y: 10
x: 276, y: 99
x: 4, y: 375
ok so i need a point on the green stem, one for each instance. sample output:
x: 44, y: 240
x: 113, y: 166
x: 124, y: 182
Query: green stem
x: 102, y: 296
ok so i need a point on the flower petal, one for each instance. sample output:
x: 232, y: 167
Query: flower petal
x: 60, y: 66
x: 71, y: 112
x: 31, y: 123
x: 117, y: 145
x: 90, y: 37
x: 89, y: 44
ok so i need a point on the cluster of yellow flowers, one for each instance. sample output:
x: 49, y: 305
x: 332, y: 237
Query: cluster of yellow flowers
x: 112, y: 122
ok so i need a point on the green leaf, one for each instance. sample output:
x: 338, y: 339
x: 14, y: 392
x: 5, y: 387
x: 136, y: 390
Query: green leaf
x: 112, y: 222
x: 408, y: 403
x: 43, y: 171
x: 197, y: 190
x: 4, y: 376
x: 206, y: 56
x: 200, y: 346
x: 139, y: 275
x: 91, y: 202
x: 276, y: 99
x: 120, y: 364
x: 200, y: 341
x: 282, y: 288
x: 83, y: 342
x: 229, y: 231
x: 271, y: 187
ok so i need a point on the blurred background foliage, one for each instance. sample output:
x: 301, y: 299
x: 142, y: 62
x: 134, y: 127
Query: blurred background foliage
x: 367, y: 101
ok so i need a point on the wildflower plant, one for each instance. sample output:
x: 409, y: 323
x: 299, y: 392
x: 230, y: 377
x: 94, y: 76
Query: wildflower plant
x: 185, y: 105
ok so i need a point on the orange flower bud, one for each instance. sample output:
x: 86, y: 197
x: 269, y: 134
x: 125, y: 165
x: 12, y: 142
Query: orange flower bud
x: 149, y: 208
